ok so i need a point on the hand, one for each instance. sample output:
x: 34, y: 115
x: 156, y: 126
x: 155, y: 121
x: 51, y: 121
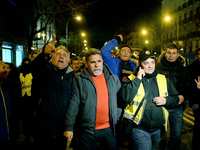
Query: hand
x: 198, y: 82
x: 140, y: 73
x: 195, y: 107
x: 181, y: 99
x: 121, y: 37
x: 68, y: 135
x: 159, y: 101
x: 50, y: 47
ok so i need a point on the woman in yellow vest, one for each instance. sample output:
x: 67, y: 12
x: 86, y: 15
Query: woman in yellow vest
x: 156, y: 94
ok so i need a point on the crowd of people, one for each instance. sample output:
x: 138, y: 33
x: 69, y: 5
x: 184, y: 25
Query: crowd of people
x: 98, y: 102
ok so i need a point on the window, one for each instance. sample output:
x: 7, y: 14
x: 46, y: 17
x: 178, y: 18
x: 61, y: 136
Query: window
x: 19, y: 54
x: 7, y: 52
x: 180, y: 3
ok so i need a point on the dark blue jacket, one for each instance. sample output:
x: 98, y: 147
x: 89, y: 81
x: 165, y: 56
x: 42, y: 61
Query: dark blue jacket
x: 8, y: 98
x: 113, y: 63
x: 83, y: 101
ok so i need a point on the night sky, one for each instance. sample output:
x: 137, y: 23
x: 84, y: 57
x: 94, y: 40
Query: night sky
x: 105, y: 18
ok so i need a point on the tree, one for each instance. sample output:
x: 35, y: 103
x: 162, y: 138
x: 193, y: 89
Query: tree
x: 32, y: 10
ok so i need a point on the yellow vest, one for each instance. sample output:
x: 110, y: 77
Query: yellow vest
x: 132, y: 107
x: 26, y: 83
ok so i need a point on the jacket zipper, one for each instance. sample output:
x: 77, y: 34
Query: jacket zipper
x: 4, y: 103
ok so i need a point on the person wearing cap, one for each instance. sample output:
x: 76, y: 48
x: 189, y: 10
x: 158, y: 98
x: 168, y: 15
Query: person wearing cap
x: 121, y: 66
x: 152, y: 93
x: 173, y: 69
x: 51, y: 92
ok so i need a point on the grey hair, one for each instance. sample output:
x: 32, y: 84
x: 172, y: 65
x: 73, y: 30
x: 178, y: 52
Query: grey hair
x: 92, y: 51
x: 63, y: 48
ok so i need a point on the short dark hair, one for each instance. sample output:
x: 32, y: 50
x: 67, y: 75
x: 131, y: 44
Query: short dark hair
x: 172, y: 46
x: 74, y: 58
x: 92, y: 51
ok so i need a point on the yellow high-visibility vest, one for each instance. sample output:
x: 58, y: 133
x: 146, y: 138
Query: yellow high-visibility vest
x: 132, y: 107
x: 26, y: 83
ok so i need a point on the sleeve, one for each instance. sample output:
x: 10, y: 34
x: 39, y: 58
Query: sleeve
x: 74, y: 104
x: 106, y: 50
x: 186, y: 86
x: 129, y: 90
x: 39, y: 63
x: 172, y: 99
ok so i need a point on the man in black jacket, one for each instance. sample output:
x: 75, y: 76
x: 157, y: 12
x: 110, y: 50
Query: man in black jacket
x: 94, y: 104
x: 194, y: 71
x: 172, y: 68
x: 51, y: 90
x: 150, y: 93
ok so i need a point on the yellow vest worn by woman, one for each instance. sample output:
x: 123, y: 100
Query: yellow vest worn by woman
x: 26, y: 83
x: 132, y: 107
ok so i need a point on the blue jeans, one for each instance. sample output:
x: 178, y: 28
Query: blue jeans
x: 175, y: 121
x: 143, y: 140
x: 105, y: 137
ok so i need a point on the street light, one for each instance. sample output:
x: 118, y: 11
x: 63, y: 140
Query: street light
x: 177, y: 32
x: 85, y: 41
x: 77, y: 18
x: 83, y: 34
x: 144, y: 32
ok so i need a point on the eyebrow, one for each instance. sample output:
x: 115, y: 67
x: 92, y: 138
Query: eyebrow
x: 96, y: 61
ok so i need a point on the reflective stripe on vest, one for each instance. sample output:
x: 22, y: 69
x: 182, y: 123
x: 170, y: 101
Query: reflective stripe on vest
x: 26, y: 83
x: 132, y: 107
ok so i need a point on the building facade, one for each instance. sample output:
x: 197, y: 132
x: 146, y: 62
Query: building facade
x: 181, y: 24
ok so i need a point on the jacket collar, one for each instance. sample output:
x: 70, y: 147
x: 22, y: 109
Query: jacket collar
x: 68, y: 70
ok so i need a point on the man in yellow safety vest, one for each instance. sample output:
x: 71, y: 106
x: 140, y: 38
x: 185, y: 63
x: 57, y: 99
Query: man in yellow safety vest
x: 147, y: 95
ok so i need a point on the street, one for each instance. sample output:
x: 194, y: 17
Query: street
x: 186, y: 141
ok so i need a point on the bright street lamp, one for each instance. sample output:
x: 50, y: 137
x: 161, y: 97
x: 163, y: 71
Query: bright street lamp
x: 177, y: 32
x: 146, y: 41
x: 85, y: 41
x: 77, y: 18
x: 144, y: 32
x: 83, y: 34
x: 167, y: 18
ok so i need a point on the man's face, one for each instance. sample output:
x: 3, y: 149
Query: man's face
x: 60, y: 59
x: 3, y: 71
x: 171, y: 55
x: 198, y: 56
x: 33, y: 57
x: 95, y: 65
x: 76, y: 65
x: 148, y: 65
x: 125, y: 54
x: 7, y: 68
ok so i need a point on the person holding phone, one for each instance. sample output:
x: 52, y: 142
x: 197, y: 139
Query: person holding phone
x: 148, y: 94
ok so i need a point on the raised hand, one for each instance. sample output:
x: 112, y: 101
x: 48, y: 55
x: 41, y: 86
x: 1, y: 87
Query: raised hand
x: 198, y: 82
x: 50, y: 47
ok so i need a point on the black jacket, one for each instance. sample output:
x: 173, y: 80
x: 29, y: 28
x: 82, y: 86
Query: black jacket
x: 153, y: 115
x: 194, y: 71
x: 177, y: 74
x: 51, y: 91
x: 83, y: 101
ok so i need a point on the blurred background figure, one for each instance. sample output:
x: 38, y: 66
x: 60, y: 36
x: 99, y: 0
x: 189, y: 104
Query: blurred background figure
x: 26, y: 77
x: 76, y: 64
